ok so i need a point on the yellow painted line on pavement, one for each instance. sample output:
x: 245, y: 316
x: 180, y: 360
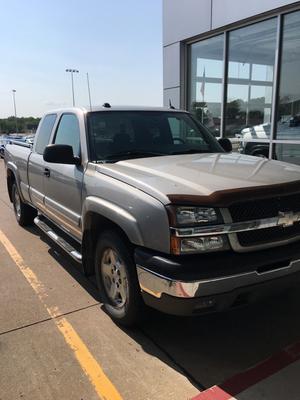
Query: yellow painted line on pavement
x: 103, y: 386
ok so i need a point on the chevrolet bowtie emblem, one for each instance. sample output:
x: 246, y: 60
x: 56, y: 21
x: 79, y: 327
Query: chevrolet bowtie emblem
x: 287, y: 218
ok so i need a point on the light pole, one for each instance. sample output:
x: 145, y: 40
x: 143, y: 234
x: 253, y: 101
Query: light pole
x: 88, y: 85
x: 15, y: 108
x: 72, y: 72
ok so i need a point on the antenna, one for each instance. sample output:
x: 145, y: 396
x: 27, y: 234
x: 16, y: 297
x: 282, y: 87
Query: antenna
x: 106, y: 105
x: 89, y: 90
x: 170, y: 105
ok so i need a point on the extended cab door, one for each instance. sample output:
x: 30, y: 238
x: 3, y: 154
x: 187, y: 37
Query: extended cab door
x: 63, y: 182
x: 36, y: 162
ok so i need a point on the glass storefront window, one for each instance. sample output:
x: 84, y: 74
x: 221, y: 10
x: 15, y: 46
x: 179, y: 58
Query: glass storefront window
x: 251, y: 52
x: 206, y: 82
x: 251, y: 58
x: 288, y: 116
x: 287, y: 152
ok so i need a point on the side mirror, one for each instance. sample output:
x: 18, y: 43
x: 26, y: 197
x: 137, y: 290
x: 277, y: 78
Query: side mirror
x: 60, y: 154
x: 226, y: 144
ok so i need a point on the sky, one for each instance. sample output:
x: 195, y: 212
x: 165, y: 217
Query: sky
x: 119, y: 43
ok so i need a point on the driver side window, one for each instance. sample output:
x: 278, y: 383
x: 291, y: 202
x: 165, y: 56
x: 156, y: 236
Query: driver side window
x: 68, y: 132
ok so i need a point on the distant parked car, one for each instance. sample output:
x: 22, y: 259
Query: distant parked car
x: 29, y: 139
x: 14, y: 137
x: 3, y: 141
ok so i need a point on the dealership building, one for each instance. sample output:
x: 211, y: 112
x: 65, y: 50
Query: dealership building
x: 235, y: 64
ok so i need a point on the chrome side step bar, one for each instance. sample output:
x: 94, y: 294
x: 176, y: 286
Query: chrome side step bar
x: 58, y: 239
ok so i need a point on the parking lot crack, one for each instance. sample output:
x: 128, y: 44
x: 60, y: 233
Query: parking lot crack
x: 48, y: 319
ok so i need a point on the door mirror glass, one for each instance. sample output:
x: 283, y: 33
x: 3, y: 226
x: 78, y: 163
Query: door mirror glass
x: 226, y: 144
x: 60, y: 154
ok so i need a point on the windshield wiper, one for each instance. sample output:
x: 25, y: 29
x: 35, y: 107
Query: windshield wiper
x: 134, y: 153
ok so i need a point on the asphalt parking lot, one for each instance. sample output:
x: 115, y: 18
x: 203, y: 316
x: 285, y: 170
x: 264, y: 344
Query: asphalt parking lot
x: 56, y: 342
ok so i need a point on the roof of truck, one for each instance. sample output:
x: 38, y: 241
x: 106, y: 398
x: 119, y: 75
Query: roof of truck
x: 132, y: 108
x: 115, y: 108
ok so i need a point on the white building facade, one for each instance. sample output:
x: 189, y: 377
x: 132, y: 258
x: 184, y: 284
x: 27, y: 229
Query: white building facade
x: 235, y: 64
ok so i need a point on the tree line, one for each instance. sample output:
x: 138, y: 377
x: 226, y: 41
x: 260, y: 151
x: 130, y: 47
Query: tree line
x: 22, y: 125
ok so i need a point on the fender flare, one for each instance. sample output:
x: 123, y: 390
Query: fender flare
x: 14, y: 170
x: 122, y: 218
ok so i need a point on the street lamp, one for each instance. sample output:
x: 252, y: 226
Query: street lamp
x: 15, y: 108
x: 72, y: 72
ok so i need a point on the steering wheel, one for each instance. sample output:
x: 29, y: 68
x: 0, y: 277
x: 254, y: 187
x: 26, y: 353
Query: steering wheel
x: 178, y: 140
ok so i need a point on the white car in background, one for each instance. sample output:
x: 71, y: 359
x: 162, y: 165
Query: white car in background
x: 287, y: 129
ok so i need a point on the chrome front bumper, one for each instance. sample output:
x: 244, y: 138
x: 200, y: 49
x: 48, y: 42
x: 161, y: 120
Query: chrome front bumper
x: 157, y: 285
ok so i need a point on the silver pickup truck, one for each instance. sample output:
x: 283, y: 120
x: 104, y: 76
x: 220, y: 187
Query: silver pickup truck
x: 161, y: 212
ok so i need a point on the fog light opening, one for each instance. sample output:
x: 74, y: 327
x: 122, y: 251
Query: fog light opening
x: 205, y: 304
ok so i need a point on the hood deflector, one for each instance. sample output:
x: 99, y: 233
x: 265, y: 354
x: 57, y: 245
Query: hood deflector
x: 225, y: 198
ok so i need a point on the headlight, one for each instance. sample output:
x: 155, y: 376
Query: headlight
x: 190, y: 216
x: 195, y: 215
x: 198, y: 244
x: 184, y: 221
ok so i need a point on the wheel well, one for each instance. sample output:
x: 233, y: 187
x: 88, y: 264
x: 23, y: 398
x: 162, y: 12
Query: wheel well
x: 10, y: 179
x: 94, y: 225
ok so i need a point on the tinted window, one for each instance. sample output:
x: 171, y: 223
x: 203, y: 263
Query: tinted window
x: 68, y: 132
x: 118, y: 135
x: 44, y: 133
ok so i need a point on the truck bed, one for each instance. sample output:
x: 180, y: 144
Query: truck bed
x: 18, y: 155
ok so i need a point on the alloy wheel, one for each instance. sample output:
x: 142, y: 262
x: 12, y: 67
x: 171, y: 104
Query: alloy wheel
x: 114, y: 277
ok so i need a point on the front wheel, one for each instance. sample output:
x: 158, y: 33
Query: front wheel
x: 117, y: 279
x: 23, y: 212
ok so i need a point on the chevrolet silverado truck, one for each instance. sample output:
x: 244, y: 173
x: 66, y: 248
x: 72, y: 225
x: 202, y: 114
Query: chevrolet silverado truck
x: 160, y: 211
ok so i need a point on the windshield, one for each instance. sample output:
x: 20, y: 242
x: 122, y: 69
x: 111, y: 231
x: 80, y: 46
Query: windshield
x: 119, y: 135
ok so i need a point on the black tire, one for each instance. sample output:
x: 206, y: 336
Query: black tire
x: 23, y: 212
x: 131, y: 312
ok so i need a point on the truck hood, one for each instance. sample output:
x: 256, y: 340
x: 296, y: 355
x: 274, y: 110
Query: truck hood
x: 203, y: 175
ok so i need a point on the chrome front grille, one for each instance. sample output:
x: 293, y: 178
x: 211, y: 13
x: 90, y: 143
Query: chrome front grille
x: 267, y: 208
x: 263, y: 236
x: 264, y: 208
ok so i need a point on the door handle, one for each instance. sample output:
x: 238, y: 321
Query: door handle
x: 47, y: 172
